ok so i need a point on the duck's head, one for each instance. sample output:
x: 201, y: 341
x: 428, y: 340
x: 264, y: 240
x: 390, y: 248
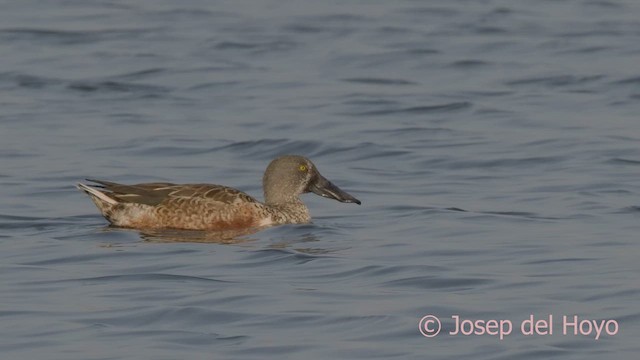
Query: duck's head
x: 289, y: 176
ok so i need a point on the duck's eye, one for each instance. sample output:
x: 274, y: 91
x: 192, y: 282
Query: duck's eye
x: 302, y: 167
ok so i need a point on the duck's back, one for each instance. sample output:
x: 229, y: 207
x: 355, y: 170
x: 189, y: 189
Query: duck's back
x: 178, y: 206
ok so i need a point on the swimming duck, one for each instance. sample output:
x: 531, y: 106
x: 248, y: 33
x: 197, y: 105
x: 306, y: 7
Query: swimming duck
x: 216, y: 207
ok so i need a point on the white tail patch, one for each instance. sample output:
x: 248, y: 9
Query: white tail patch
x: 97, y: 193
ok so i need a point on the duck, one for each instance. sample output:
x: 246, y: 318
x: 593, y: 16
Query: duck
x: 211, y: 207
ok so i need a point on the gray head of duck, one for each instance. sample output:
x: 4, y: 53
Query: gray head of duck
x: 289, y: 176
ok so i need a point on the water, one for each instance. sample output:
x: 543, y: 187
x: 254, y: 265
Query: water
x: 494, y: 145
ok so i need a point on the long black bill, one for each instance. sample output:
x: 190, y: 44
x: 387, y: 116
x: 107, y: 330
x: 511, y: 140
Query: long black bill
x: 325, y: 188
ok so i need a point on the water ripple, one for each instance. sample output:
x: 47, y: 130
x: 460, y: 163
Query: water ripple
x: 69, y: 37
x: 555, y: 81
x: 143, y: 277
x: 380, y: 81
x: 416, y: 110
x: 431, y: 282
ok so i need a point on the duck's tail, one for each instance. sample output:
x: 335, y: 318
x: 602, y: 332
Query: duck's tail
x: 97, y: 194
x: 103, y: 201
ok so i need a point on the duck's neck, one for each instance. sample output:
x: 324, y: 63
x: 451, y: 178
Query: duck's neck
x: 293, y: 211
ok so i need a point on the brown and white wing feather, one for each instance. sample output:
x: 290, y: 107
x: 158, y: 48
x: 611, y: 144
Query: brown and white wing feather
x: 154, y: 194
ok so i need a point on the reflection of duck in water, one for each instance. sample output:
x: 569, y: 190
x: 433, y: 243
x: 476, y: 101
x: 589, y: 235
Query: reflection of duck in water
x: 216, y: 207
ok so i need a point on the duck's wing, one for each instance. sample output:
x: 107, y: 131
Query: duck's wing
x: 154, y: 194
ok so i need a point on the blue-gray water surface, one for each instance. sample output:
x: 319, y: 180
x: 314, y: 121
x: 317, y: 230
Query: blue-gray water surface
x: 495, y: 146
